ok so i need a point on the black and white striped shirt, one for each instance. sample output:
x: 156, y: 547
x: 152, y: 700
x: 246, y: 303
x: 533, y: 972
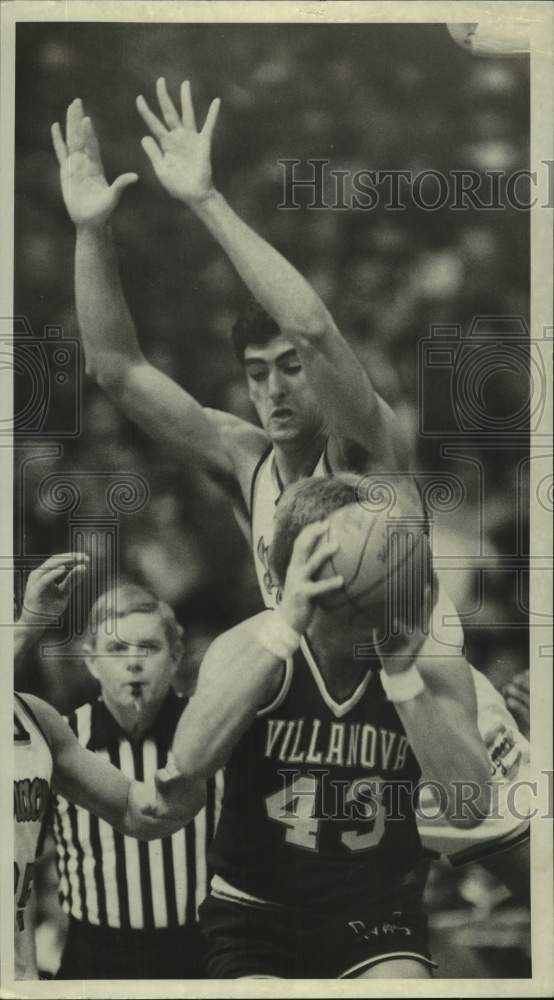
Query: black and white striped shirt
x: 110, y: 880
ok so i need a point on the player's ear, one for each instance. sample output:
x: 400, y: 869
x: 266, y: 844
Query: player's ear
x: 177, y: 652
x: 249, y: 387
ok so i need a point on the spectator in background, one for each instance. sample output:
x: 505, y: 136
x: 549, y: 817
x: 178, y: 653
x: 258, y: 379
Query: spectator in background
x: 132, y: 906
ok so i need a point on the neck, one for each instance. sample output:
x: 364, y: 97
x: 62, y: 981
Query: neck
x: 333, y: 648
x: 134, y: 721
x: 297, y: 459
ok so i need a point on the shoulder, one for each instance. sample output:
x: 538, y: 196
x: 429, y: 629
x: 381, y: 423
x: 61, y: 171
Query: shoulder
x: 50, y: 722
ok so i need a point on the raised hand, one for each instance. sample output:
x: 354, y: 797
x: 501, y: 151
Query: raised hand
x: 50, y: 586
x: 88, y: 197
x: 181, y: 156
x: 312, y: 549
x: 399, y: 649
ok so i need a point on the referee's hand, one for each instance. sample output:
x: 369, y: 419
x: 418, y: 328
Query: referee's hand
x: 50, y: 586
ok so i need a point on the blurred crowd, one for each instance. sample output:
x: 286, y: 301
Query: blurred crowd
x: 364, y: 97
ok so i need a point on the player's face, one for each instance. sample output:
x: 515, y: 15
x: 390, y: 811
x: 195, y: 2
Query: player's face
x: 134, y: 662
x: 277, y: 384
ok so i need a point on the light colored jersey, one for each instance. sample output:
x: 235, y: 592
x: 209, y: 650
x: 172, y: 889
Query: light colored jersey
x: 265, y: 493
x: 508, y: 749
x: 31, y: 794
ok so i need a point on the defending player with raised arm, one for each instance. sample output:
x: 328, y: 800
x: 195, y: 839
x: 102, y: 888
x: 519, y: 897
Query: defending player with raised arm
x: 310, y: 392
x: 351, y: 410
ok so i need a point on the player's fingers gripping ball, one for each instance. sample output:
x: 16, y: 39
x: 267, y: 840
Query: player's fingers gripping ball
x: 384, y: 557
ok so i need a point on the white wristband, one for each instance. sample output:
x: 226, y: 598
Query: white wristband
x: 278, y: 637
x: 404, y: 686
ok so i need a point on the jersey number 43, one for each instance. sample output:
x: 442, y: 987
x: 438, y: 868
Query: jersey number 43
x: 294, y: 806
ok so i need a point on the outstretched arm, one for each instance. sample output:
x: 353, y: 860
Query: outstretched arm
x: 134, y: 808
x: 113, y: 355
x: 181, y: 158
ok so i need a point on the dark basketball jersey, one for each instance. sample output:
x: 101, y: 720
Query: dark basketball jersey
x: 314, y: 808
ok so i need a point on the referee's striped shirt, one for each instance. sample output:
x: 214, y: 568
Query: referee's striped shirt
x: 110, y: 880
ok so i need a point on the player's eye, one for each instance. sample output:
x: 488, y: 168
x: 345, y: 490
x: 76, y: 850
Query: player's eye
x: 292, y: 368
x: 258, y: 374
x: 117, y: 647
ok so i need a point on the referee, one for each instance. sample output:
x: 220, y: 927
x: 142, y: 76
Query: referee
x: 132, y: 906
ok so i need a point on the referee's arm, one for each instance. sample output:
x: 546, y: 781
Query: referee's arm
x: 132, y: 807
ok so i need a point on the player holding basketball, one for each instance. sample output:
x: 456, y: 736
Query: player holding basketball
x: 318, y: 410
x: 319, y: 866
x: 48, y: 757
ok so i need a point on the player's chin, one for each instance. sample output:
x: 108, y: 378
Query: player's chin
x: 281, y: 432
x: 358, y: 624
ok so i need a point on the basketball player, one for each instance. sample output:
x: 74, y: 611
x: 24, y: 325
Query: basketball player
x: 48, y: 757
x: 318, y: 874
x: 318, y: 410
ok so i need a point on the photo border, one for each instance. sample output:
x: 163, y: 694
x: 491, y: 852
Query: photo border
x: 540, y: 18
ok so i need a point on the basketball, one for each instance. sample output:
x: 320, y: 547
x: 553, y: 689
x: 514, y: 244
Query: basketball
x: 495, y: 38
x: 385, y: 559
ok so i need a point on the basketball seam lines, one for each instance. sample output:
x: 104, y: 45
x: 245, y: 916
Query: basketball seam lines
x: 353, y: 598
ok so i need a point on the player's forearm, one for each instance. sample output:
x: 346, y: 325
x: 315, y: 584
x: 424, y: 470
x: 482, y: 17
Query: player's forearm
x: 106, y: 325
x: 449, y: 753
x: 273, y: 281
x: 236, y: 679
x: 26, y: 634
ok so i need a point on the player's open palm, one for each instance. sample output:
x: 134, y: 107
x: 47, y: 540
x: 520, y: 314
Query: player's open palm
x: 88, y: 197
x: 312, y: 549
x: 179, y: 152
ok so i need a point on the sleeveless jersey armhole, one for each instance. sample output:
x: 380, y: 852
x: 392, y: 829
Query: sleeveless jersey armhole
x: 281, y: 692
x: 34, y: 719
x: 266, y: 452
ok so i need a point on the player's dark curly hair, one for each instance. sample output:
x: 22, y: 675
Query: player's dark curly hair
x: 252, y: 326
x: 305, y: 502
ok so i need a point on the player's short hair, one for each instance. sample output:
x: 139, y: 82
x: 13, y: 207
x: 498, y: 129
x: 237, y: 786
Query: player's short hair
x: 128, y: 598
x: 252, y: 327
x: 305, y: 502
